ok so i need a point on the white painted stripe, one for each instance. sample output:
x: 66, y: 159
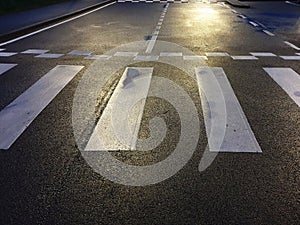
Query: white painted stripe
x: 226, y: 125
x: 253, y: 24
x: 297, y: 53
x: 292, y: 45
x: 6, y: 66
x: 126, y: 54
x: 159, y: 23
x: 132, y: 87
x: 244, y: 57
x: 7, y: 54
x: 268, y: 33
x: 54, y: 25
x: 158, y: 27
x: 288, y: 80
x: 194, y: 57
x: 76, y: 52
x: 242, y: 16
x: 234, y: 11
x: 263, y: 54
x: 35, y: 51
x: 171, y: 54
x: 2, y: 49
x: 19, y: 114
x: 216, y: 54
x: 49, y: 56
x: 98, y: 57
x: 293, y: 57
x: 146, y: 58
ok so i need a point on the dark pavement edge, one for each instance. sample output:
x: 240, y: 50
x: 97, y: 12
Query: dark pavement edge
x: 39, y: 25
x: 237, y: 3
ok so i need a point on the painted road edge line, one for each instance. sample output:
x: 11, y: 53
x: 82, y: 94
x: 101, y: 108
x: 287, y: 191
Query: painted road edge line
x: 54, y: 25
x: 288, y: 80
x: 133, y: 87
x: 238, y: 136
x: 20, y: 113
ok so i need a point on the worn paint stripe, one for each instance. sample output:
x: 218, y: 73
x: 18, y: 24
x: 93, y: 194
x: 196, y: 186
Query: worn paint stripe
x: 288, y: 80
x: 19, y: 114
x: 133, y: 87
x: 226, y: 125
x: 263, y: 54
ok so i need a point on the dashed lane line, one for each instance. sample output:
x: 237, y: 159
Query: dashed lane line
x: 19, y: 114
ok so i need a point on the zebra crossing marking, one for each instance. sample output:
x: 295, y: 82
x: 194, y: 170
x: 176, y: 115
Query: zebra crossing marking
x: 5, y: 67
x: 49, y: 56
x: 2, y: 49
x: 7, y: 54
x: 131, y: 88
x: 288, y: 80
x: 35, y: 51
x: 224, y: 113
x: 19, y: 114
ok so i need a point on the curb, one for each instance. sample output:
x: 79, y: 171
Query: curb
x: 35, y: 26
x: 237, y: 3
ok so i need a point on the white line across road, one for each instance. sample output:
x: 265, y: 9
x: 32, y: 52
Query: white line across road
x: 292, y: 45
x: 54, y: 25
x: 226, y: 125
x: 133, y: 87
x: 19, y: 114
x: 288, y: 80
x: 5, y: 67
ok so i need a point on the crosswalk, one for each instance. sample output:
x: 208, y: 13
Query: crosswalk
x: 225, y: 119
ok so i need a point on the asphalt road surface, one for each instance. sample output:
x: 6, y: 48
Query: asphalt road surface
x: 224, y: 82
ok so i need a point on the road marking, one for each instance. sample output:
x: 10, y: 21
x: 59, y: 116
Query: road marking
x: 54, y: 25
x: 238, y: 136
x: 194, y: 57
x: 242, y: 16
x: 7, y: 54
x: 216, y: 54
x: 234, y: 11
x: 19, y: 114
x: 98, y: 57
x: 126, y: 54
x: 132, y: 87
x: 35, y: 51
x: 253, y: 24
x: 49, y: 56
x: 268, y: 33
x: 288, y: 80
x: 244, y: 57
x: 297, y: 53
x: 76, y: 52
x: 5, y: 67
x: 2, y: 49
x: 292, y: 45
x: 146, y: 58
x: 152, y: 41
x: 171, y: 54
x: 263, y: 54
x: 293, y: 57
